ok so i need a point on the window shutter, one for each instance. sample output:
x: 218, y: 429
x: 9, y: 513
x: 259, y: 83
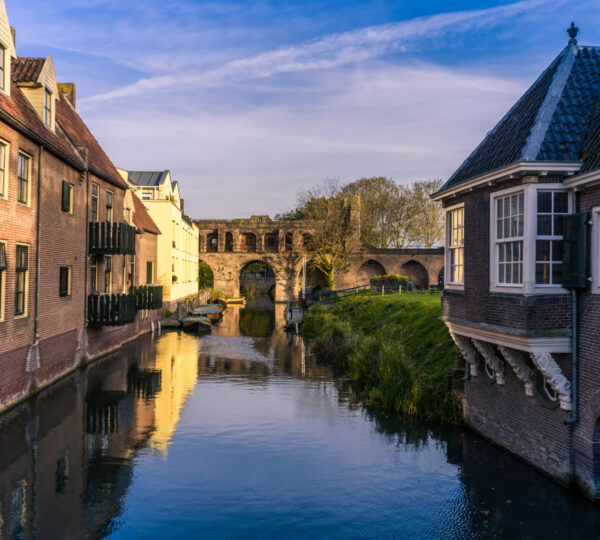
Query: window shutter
x: 575, y: 251
x: 66, y: 196
x: 2, y: 257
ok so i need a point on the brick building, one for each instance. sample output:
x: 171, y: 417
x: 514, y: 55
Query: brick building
x: 517, y: 297
x: 62, y: 298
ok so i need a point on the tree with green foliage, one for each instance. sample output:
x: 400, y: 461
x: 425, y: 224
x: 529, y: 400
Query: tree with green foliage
x: 205, y: 276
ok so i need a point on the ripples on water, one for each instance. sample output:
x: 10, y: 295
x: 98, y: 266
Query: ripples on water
x: 240, y: 434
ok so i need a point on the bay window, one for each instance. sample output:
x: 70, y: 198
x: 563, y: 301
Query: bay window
x: 551, y: 207
x: 527, y: 241
x: 455, y: 235
x: 509, y: 238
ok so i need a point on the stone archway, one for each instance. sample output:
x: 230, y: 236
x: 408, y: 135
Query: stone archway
x: 315, y: 281
x: 257, y: 278
x: 368, y: 270
x: 416, y: 273
x: 206, y: 276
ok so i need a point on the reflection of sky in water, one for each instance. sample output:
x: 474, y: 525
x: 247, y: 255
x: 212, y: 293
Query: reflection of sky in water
x: 229, y: 436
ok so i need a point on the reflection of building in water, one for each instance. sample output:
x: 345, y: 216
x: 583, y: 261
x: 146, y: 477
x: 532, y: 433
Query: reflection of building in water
x: 66, y: 459
x: 177, y: 360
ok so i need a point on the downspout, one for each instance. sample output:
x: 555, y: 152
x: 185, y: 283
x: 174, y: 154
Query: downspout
x: 575, y: 342
x: 86, y: 258
x: 33, y: 358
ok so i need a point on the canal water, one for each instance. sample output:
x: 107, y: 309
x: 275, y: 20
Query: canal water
x: 242, y: 434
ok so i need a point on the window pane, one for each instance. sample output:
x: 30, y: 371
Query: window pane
x: 500, y: 209
x: 516, y: 247
x: 2, y: 257
x: 544, y: 202
x: 521, y: 225
x: 558, y: 226
x: 557, y: 250
x: 561, y: 203
x: 507, y: 206
x: 507, y: 228
x: 542, y: 250
x: 545, y: 225
x: 521, y: 203
x: 557, y: 274
x: 542, y: 274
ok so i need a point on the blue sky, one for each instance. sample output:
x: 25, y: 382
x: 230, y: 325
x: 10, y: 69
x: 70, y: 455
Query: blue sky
x: 247, y: 102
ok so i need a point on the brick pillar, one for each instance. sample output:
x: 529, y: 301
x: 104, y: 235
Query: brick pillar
x: 221, y: 237
x: 260, y: 242
x: 236, y: 241
x: 281, y: 241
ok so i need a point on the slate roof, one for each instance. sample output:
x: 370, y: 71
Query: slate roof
x: 591, y: 152
x: 551, y: 122
x: 148, y: 178
x: 141, y: 218
x: 27, y: 69
x: 79, y: 134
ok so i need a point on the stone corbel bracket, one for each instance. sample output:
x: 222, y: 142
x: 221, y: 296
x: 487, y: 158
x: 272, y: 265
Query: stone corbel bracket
x: 492, y: 360
x: 468, y: 351
x: 523, y: 372
x: 554, y: 377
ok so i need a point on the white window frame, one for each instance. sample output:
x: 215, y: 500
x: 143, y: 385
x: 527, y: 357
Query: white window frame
x: 529, y: 239
x: 596, y: 250
x: 4, y: 176
x: 5, y: 73
x: 447, y: 267
x: 29, y: 159
x: 25, y: 313
x: 3, y: 282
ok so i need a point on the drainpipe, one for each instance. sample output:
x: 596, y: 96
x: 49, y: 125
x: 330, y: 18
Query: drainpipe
x: 575, y: 342
x: 575, y: 359
x: 38, y: 235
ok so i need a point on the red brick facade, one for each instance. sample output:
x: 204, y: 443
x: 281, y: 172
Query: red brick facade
x: 51, y: 337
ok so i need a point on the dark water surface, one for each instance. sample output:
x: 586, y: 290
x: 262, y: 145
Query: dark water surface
x: 240, y: 434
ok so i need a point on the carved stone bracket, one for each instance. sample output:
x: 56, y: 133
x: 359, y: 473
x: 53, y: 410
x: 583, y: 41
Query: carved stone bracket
x: 554, y: 377
x: 521, y: 369
x: 468, y: 351
x: 492, y: 360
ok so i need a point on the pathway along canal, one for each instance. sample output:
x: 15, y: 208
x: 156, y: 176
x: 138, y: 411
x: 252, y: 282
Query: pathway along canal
x: 240, y: 435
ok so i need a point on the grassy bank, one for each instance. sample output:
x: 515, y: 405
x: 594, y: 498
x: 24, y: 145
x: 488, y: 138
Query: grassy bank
x: 394, y: 348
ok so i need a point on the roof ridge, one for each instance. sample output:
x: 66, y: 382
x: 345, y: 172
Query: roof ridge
x: 545, y: 113
x: 461, y: 169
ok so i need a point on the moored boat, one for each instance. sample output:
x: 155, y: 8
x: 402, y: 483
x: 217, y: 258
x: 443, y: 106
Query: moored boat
x: 195, y: 323
x: 208, y: 309
x: 236, y: 301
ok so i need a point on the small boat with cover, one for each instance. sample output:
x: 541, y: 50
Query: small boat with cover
x: 195, y: 323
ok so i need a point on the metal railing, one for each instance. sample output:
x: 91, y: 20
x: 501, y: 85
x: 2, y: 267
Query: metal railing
x: 107, y: 237
x: 111, y: 309
x: 148, y: 296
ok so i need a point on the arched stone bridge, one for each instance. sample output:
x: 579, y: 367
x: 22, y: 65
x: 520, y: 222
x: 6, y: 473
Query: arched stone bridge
x: 229, y: 248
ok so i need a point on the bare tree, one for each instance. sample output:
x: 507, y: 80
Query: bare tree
x: 330, y: 245
x: 428, y: 227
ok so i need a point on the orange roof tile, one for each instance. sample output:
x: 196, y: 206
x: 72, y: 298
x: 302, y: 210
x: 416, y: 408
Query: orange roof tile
x: 27, y: 69
x: 141, y: 217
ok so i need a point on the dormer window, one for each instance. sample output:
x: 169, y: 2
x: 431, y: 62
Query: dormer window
x: 48, y: 102
x: 2, y: 68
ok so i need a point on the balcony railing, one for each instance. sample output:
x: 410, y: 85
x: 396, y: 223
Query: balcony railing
x: 107, y: 237
x: 111, y: 309
x: 148, y: 296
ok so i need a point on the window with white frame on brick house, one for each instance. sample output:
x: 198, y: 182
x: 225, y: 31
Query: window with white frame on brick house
x: 552, y: 206
x: 527, y: 238
x: 595, y: 265
x: 21, y: 278
x: 509, y: 238
x: 3, y: 170
x: 109, y: 206
x: 67, y: 197
x: 455, y: 243
x: 2, y: 278
x: 24, y: 176
x: 95, y: 202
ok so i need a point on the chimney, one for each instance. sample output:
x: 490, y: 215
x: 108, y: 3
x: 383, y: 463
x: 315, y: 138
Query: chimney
x: 13, y: 33
x: 69, y: 91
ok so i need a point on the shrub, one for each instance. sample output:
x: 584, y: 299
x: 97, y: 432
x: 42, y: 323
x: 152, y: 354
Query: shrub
x: 390, y: 279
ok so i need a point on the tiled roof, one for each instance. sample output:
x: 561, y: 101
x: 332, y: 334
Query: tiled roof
x: 141, y: 217
x: 551, y: 122
x: 27, y: 69
x: 79, y: 134
x: 591, y: 152
x: 18, y: 107
x: 147, y: 178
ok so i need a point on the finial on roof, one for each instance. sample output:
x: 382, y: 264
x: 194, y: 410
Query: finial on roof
x: 572, y: 31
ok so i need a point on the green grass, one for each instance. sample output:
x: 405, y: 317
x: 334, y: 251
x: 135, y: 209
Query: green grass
x: 394, y: 348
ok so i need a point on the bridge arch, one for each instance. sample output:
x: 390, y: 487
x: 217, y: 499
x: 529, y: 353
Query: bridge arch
x: 206, y: 275
x: 259, y: 275
x: 316, y: 280
x: 368, y: 270
x: 416, y: 272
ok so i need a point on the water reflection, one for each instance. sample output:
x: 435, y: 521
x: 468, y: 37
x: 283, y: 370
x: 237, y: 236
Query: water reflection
x: 238, y: 435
